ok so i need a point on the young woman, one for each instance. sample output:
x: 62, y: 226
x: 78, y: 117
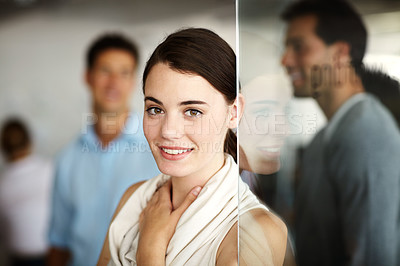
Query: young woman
x: 189, y: 213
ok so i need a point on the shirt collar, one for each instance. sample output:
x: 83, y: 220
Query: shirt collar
x: 340, y: 113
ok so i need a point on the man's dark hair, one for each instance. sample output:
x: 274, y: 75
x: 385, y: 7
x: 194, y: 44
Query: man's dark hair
x: 384, y: 87
x: 110, y: 41
x: 14, y: 137
x: 336, y: 21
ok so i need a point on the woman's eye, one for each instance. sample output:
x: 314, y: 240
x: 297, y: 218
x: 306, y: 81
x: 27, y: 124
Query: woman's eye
x: 193, y: 113
x: 265, y: 111
x: 154, y: 111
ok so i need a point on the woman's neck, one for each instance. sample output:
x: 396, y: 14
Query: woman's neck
x: 181, y: 186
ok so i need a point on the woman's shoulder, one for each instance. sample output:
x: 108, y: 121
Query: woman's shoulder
x: 269, y: 222
x: 262, y: 240
x: 268, y: 231
x: 125, y: 197
x: 146, y: 184
x: 130, y: 190
x: 105, y: 253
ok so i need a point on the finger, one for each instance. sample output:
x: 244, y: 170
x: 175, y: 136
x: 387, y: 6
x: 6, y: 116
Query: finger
x: 154, y: 198
x: 166, y: 186
x: 165, y: 191
x: 190, y: 197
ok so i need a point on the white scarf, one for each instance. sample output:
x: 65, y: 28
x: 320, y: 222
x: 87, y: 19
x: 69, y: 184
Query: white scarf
x: 201, y: 228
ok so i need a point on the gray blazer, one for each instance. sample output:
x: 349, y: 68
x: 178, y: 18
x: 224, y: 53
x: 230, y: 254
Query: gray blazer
x: 348, y: 201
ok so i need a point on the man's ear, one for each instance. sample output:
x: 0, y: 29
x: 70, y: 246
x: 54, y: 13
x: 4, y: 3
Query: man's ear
x: 87, y: 78
x: 342, y: 52
x: 236, y: 111
x: 134, y: 80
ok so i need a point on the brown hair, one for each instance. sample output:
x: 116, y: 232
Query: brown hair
x: 202, y: 52
x: 110, y: 41
x: 14, y: 137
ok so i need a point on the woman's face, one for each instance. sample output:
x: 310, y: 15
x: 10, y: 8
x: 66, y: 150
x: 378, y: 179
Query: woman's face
x: 185, y: 122
x: 264, y: 126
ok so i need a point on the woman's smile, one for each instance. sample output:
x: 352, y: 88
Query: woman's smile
x: 175, y: 153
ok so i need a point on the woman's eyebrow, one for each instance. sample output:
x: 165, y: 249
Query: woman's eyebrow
x: 271, y: 102
x: 192, y: 102
x: 149, y: 98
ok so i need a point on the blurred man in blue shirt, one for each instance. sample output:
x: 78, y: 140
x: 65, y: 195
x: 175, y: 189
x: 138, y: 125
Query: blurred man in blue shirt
x: 111, y: 154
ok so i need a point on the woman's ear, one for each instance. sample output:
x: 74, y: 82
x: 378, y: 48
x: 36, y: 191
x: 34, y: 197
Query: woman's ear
x: 236, y: 111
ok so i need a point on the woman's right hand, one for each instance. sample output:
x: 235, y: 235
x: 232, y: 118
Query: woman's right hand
x: 157, y: 224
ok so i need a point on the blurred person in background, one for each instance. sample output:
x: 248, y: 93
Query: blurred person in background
x: 348, y: 200
x: 111, y: 154
x: 25, y: 186
x: 262, y: 132
x: 263, y: 127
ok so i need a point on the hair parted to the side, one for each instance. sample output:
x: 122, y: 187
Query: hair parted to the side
x: 336, y: 21
x: 110, y: 41
x: 202, y: 52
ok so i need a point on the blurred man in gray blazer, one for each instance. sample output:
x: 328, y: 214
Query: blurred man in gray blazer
x: 348, y: 200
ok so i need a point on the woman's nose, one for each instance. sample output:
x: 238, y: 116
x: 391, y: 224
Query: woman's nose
x: 172, y: 127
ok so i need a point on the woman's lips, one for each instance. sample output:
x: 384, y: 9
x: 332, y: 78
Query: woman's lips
x: 270, y: 151
x: 174, y: 153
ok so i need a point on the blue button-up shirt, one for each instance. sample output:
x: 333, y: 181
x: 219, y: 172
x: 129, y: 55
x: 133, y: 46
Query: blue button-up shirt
x: 89, y: 183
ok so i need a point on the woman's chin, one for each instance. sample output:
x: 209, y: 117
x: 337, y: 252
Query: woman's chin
x: 266, y: 167
x: 171, y: 170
